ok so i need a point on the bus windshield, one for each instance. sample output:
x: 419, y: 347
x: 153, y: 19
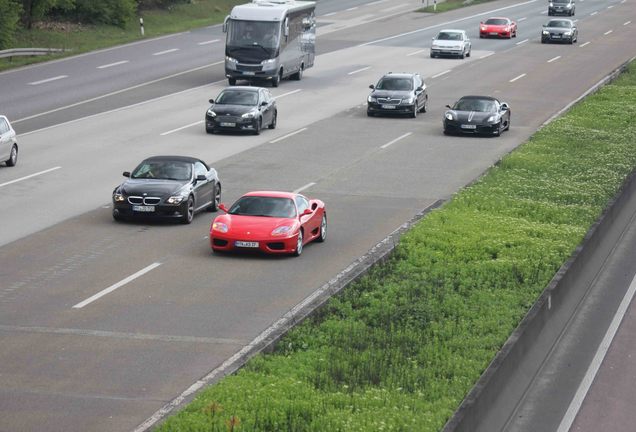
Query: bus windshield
x: 254, y: 33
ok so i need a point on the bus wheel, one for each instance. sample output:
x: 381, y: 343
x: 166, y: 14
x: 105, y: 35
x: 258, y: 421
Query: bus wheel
x: 299, y: 75
x: 231, y: 81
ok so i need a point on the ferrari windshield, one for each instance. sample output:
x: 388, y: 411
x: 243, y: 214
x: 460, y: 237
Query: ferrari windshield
x: 496, y: 21
x: 264, y: 206
x: 471, y: 104
x: 163, y: 170
x: 238, y: 97
x: 394, y: 83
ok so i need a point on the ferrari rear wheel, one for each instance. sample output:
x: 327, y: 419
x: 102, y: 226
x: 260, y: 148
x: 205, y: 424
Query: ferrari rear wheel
x: 323, y: 229
x: 299, y: 244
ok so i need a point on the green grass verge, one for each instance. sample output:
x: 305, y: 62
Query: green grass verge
x: 399, y: 349
x: 449, y: 5
x: 83, y: 38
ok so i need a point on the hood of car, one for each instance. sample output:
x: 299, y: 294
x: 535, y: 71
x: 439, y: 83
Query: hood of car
x: 477, y: 117
x: 231, y: 110
x: 559, y: 30
x: 158, y: 188
x: 396, y: 94
x: 254, y: 227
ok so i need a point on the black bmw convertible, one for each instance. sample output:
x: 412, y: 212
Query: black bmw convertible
x: 477, y: 115
x: 169, y: 187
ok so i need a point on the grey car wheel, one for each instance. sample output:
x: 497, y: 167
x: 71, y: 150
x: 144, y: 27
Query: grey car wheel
x: 216, y: 200
x: 188, y: 215
x: 299, y: 244
x: 13, y: 157
x: 323, y: 229
x: 272, y: 125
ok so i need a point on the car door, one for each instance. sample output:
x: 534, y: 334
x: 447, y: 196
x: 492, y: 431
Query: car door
x: 203, y: 189
x: 420, y: 94
x: 310, y: 222
x: 5, y: 140
x: 265, y: 97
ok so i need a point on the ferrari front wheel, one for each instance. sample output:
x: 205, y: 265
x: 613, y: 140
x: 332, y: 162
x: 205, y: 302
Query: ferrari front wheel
x: 323, y: 229
x: 299, y: 244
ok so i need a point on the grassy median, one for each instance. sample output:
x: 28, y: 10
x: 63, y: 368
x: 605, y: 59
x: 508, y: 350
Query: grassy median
x: 399, y: 349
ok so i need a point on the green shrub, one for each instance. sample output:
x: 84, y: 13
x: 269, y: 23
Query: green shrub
x: 9, y: 18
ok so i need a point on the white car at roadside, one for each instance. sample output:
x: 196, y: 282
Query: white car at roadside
x: 8, y: 143
x: 451, y: 43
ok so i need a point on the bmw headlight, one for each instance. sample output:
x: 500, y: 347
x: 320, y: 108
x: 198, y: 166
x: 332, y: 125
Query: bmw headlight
x: 545, y: 32
x: 117, y: 197
x: 282, y: 230
x: 175, y: 199
x: 220, y: 227
x: 492, y: 119
x: 371, y: 99
x: 211, y: 113
x: 449, y: 116
x: 249, y: 115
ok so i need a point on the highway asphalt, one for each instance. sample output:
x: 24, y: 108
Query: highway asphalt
x: 111, y: 364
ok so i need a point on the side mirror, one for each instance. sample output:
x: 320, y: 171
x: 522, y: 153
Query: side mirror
x: 223, y: 208
x: 504, y: 106
x: 227, y: 18
x: 201, y: 177
x: 448, y: 106
x: 211, y: 101
x: 126, y: 174
x: 264, y: 103
x: 419, y: 89
x: 372, y: 87
x: 307, y: 211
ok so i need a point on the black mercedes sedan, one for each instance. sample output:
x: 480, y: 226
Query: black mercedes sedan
x: 477, y: 115
x: 398, y: 93
x: 168, y: 187
x: 242, y: 108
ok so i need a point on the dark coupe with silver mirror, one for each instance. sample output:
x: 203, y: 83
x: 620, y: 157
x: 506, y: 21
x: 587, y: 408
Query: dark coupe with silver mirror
x: 477, y: 115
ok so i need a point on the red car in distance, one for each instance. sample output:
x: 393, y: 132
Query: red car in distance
x: 270, y: 222
x: 499, y: 27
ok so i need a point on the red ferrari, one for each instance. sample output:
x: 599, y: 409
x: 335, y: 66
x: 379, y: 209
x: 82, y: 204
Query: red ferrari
x: 271, y: 222
x: 498, y: 27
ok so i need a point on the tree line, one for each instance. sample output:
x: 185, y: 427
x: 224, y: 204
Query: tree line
x: 17, y: 14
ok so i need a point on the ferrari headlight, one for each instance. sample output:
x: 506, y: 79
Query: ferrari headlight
x: 448, y: 116
x: 282, y: 230
x: 175, y: 199
x: 249, y: 114
x: 483, y: 28
x: 118, y: 197
x: 211, y: 113
x: 220, y: 227
x: 492, y: 119
x: 371, y: 99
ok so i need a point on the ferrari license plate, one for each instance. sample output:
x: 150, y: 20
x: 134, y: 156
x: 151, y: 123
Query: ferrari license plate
x: 469, y: 127
x: 388, y: 106
x: 140, y: 208
x: 494, y: 33
x: 245, y: 244
x: 228, y: 124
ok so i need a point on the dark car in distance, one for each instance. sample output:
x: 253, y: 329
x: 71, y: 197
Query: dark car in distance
x: 559, y: 30
x: 173, y: 187
x: 561, y: 7
x: 398, y: 93
x: 242, y: 108
x: 477, y: 115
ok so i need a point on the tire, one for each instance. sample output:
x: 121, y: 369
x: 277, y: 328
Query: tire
x: 323, y: 229
x: 258, y: 126
x: 117, y: 217
x: 216, y: 200
x: 276, y: 80
x: 299, y: 244
x: 462, y: 55
x: 209, y: 130
x: 432, y: 55
x: 370, y: 114
x: 231, y: 81
x: 299, y: 75
x: 508, y: 124
x: 272, y: 125
x: 499, y: 129
x: 13, y: 157
x: 415, y: 110
x: 189, y: 213
x: 468, y: 53
x: 425, y: 106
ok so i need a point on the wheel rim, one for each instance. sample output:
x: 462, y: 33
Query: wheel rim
x: 323, y: 228
x: 299, y: 243
x: 14, y: 154
x: 190, y: 209
x: 217, y: 197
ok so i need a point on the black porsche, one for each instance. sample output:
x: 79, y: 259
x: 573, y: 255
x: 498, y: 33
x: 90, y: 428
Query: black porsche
x: 167, y: 186
x: 477, y: 115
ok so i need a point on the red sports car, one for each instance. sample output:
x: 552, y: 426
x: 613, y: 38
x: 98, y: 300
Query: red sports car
x: 498, y: 27
x: 272, y: 222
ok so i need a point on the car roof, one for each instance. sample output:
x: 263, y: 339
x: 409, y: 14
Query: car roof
x: 187, y: 159
x: 244, y: 88
x: 272, y: 194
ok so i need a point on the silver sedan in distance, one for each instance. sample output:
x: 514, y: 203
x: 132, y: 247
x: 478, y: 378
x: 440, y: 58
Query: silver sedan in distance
x: 451, y: 43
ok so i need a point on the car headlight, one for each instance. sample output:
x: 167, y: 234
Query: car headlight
x: 211, y: 113
x: 231, y: 59
x: 248, y: 115
x: 408, y: 100
x: 118, y: 197
x: 483, y: 28
x: 449, y: 116
x: 567, y: 33
x: 435, y: 46
x: 551, y: 4
x: 175, y: 199
x: 371, y: 99
x: 282, y: 230
x: 569, y: 6
x: 545, y: 32
x: 492, y: 119
x: 220, y: 227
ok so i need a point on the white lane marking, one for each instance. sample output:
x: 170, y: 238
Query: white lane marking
x: 592, y: 370
x: 487, y: 55
x: 359, y: 70
x: 400, y: 6
x: 117, y: 285
x: 29, y: 176
x: 416, y: 52
x: 447, y: 23
x: 352, y: 8
x: 396, y: 140
x: 113, y: 64
x: 166, y: 51
x: 522, y: 42
x: 59, y: 77
x: 330, y: 14
x: 121, y: 91
x: 593, y: 13
x: 554, y: 59
x: 209, y: 42
x: 288, y: 135
x: 517, y: 77
x: 608, y: 32
x: 287, y: 94
x: 586, y: 43
x: 376, y: 2
x: 522, y: 19
x: 307, y: 186
x: 627, y: 23
x: 441, y: 73
x: 181, y: 128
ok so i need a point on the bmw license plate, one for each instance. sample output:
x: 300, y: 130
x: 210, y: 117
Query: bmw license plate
x: 227, y: 124
x: 388, y: 106
x: 466, y: 126
x: 245, y: 244
x: 556, y: 36
x: 141, y: 208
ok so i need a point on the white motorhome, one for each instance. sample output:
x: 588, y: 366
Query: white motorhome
x: 270, y: 40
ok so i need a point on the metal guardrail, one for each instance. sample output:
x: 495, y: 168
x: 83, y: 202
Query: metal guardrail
x: 15, y: 52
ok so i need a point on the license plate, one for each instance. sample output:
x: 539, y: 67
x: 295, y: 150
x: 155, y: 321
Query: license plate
x: 246, y: 244
x: 469, y: 126
x: 226, y: 124
x: 248, y: 73
x: 556, y: 36
x: 494, y: 33
x: 139, y: 208
x: 388, y: 106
